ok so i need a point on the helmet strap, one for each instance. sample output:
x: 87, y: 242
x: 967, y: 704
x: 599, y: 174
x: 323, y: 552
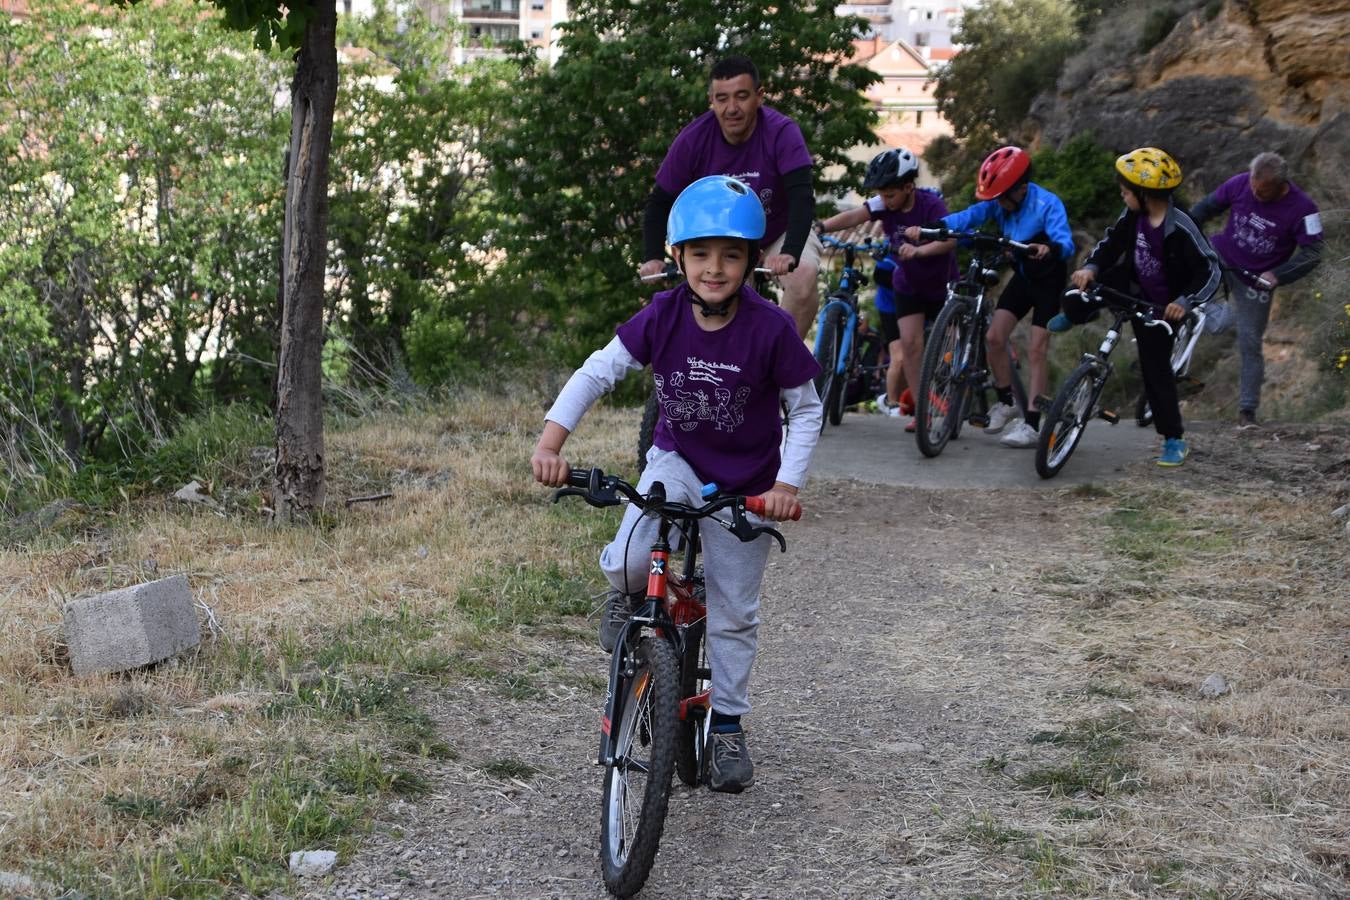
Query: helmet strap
x: 706, y: 309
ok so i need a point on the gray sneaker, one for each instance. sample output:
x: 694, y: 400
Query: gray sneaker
x: 618, y: 607
x: 730, y: 770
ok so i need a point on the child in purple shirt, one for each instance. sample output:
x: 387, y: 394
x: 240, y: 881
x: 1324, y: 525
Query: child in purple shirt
x: 919, y: 283
x: 1153, y: 250
x: 1273, y: 237
x: 725, y: 361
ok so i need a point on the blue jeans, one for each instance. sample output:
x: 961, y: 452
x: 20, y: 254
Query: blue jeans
x: 1252, y: 308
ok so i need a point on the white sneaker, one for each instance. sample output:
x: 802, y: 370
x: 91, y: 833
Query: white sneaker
x: 892, y: 411
x: 999, y: 415
x: 885, y: 407
x: 1020, y: 435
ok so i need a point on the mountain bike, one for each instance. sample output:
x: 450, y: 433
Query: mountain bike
x: 1076, y: 404
x: 651, y: 410
x: 836, y: 347
x: 955, y: 373
x: 658, y: 706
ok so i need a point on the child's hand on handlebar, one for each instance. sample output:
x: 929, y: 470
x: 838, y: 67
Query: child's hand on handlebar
x: 1175, y: 312
x: 1038, y: 251
x: 549, y: 467
x: 908, y: 252
x: 1081, y: 278
x: 780, y: 503
x: 912, y: 233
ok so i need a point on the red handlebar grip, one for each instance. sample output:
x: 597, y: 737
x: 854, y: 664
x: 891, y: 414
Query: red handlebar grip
x: 756, y: 506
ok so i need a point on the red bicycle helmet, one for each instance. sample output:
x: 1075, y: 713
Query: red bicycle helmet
x: 1000, y: 171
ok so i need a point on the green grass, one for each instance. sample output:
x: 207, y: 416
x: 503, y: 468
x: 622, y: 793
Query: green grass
x: 507, y: 768
x: 1152, y: 534
x: 508, y: 597
x: 1092, y: 761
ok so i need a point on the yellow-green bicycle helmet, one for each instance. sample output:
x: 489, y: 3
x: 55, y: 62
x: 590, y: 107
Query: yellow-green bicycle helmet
x: 1149, y: 168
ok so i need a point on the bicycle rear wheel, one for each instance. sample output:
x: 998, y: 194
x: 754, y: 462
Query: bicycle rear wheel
x: 692, y: 732
x: 941, y: 399
x: 830, y: 383
x: 637, y: 781
x: 1068, y: 418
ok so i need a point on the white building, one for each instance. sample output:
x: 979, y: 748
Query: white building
x: 925, y: 25
x: 487, y: 23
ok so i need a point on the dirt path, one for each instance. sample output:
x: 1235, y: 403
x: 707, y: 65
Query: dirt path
x: 891, y: 694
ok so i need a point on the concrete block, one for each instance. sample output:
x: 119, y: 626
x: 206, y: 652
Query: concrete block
x: 131, y: 627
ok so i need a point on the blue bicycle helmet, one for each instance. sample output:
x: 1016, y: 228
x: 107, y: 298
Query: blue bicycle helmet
x: 715, y: 206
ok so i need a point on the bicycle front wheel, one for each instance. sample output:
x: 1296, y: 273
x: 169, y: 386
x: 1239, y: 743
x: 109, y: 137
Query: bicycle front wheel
x: 941, y: 399
x: 1068, y: 418
x: 637, y: 780
x: 830, y: 383
x: 692, y: 731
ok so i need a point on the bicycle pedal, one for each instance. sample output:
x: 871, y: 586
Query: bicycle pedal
x: 1110, y: 416
x: 1189, y: 386
x: 978, y: 420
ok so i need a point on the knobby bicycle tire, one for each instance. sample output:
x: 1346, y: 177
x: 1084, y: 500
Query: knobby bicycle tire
x: 941, y: 400
x: 692, y: 733
x: 829, y: 383
x: 637, y: 783
x: 1069, y: 415
x: 647, y: 430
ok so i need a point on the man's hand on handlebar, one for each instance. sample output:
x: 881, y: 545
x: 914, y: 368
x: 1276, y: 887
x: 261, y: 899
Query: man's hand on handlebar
x: 651, y: 267
x: 781, y: 263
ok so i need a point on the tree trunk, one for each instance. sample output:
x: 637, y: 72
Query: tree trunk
x: 298, y: 488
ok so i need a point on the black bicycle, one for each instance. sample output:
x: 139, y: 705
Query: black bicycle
x: 1077, y: 404
x: 836, y: 346
x: 657, y: 713
x: 955, y: 372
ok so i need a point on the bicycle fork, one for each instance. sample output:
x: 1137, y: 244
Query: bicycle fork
x: 848, y: 323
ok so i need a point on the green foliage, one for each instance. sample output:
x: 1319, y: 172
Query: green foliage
x: 410, y: 200
x: 1013, y: 50
x: 1082, y: 173
x: 586, y: 136
x: 1157, y: 26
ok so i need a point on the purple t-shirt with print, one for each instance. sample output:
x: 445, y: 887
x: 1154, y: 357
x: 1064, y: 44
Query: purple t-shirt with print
x: 719, y: 389
x: 925, y: 278
x: 1148, y: 262
x: 1261, y: 236
x: 775, y: 147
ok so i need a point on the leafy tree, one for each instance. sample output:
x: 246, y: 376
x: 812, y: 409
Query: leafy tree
x: 584, y: 139
x: 131, y: 218
x: 1012, y: 50
x: 410, y: 192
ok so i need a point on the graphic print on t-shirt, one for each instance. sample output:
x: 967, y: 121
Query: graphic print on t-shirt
x: 696, y: 395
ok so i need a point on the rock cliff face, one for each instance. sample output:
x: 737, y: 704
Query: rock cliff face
x: 1228, y: 82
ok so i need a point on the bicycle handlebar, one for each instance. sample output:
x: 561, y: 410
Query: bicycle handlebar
x: 1127, y: 303
x: 672, y: 272
x: 981, y: 240
x: 601, y: 490
x: 871, y: 245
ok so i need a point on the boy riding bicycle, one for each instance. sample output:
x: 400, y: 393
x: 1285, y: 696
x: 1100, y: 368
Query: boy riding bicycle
x: 1026, y: 212
x: 725, y: 363
x: 1157, y: 252
x: 918, y: 281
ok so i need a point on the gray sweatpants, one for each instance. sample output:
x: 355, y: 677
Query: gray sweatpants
x: 1252, y: 308
x: 732, y: 573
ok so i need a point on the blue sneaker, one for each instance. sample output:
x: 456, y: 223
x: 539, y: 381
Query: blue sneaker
x: 1174, y: 452
x: 1059, y: 324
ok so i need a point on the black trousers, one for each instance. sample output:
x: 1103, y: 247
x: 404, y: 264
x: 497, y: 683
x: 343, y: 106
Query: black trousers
x: 1160, y: 386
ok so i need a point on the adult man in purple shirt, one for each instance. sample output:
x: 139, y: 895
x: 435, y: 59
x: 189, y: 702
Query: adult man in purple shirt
x: 760, y: 146
x: 1273, y: 237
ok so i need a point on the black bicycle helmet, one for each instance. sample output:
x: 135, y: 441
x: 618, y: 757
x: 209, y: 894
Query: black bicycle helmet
x: 890, y: 167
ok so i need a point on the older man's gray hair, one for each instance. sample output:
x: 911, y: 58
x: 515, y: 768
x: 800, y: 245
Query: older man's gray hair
x: 1270, y: 166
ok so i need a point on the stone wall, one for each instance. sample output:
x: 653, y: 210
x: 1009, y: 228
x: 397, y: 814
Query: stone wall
x: 1221, y: 87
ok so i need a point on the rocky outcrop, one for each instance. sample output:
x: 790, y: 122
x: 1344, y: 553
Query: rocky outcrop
x: 1229, y: 81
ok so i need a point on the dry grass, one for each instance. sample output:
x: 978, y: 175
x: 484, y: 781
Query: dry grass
x: 329, y: 627
x: 1245, y: 793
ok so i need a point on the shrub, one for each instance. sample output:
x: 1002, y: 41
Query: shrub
x: 1157, y: 27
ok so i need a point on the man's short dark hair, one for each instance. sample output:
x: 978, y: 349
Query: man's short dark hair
x: 731, y: 67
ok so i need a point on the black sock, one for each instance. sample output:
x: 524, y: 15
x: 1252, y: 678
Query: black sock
x: 724, y: 724
x: 1034, y: 419
x: 1004, y: 394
